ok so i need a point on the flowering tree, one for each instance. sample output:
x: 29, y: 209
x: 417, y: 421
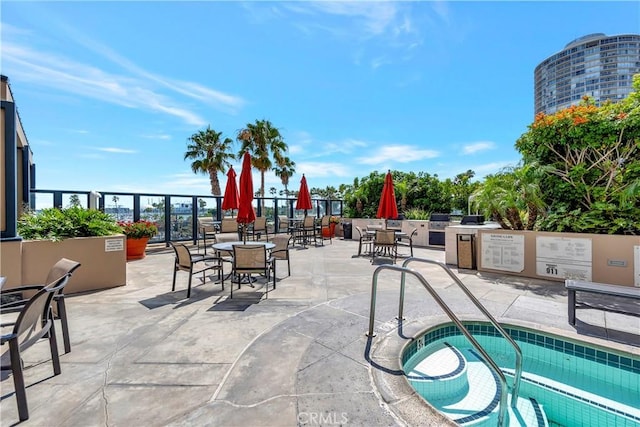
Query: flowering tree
x: 592, y: 158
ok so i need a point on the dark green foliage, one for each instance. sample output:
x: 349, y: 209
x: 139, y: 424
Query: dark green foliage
x: 421, y: 191
x: 57, y: 224
x: 603, y: 218
x: 592, y: 158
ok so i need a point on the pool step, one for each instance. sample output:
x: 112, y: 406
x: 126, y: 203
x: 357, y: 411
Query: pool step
x: 441, y: 375
x: 460, y: 385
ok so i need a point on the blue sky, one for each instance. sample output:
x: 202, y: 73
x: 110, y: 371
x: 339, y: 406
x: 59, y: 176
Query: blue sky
x: 109, y: 92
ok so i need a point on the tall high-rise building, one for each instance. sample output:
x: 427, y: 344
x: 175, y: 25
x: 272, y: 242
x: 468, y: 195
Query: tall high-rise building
x: 595, y: 65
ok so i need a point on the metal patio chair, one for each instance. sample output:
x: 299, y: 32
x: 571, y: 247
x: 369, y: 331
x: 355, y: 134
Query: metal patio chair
x: 194, y: 264
x: 258, y: 228
x: 385, y: 244
x: 17, y: 297
x: 35, y: 321
x: 206, y: 230
x: 281, y: 252
x: 366, y: 241
x: 251, y: 259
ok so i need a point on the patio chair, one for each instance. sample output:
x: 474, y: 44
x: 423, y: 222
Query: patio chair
x: 281, y: 252
x: 385, y: 243
x: 307, y: 230
x: 366, y: 241
x: 410, y: 238
x: 324, y: 225
x: 251, y: 259
x: 258, y: 228
x: 206, y: 230
x: 194, y: 264
x: 34, y: 322
x: 229, y: 230
x: 375, y: 227
x: 17, y: 297
x: 284, y: 225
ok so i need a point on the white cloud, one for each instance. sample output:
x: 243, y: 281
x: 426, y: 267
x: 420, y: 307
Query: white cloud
x: 478, y: 146
x: 137, y: 88
x: 320, y: 169
x: 398, y: 154
x: 162, y: 136
x: 489, y: 168
x: 115, y: 150
x: 383, y: 27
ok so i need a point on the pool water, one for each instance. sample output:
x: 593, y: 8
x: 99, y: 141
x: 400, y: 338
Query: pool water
x: 575, y: 384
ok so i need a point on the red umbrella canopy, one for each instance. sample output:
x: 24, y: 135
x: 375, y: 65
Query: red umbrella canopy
x: 304, y: 197
x: 246, y: 214
x: 388, y: 207
x: 230, y: 200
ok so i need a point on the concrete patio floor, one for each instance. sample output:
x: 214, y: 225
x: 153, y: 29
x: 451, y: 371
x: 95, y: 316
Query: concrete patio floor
x: 145, y: 356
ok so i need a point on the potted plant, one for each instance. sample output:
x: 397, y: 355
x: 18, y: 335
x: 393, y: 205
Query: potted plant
x: 333, y: 220
x: 138, y: 234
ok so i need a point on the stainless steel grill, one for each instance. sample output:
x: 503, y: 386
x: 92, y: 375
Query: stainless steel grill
x: 437, y: 224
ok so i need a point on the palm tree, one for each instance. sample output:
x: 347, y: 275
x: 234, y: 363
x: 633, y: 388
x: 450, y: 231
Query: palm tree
x: 210, y: 154
x: 285, y: 168
x: 487, y: 198
x: 263, y: 141
x: 359, y: 195
x: 527, y: 179
x: 403, y: 189
x: 512, y: 197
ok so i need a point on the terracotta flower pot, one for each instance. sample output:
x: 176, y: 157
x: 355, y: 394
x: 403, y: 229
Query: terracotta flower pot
x: 136, y: 248
x: 331, y: 232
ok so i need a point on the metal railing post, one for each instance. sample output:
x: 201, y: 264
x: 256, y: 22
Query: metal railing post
x: 502, y: 410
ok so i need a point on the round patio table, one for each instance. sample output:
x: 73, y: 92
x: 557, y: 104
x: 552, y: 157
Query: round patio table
x: 228, y: 246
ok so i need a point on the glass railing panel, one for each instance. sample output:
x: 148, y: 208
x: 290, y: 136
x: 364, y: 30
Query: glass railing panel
x: 181, y: 218
x: 119, y: 206
x: 152, y: 209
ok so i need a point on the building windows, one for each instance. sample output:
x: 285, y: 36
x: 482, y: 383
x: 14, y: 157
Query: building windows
x: 584, y: 67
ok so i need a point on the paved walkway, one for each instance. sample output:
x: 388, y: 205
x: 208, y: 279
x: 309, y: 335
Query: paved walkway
x: 145, y: 356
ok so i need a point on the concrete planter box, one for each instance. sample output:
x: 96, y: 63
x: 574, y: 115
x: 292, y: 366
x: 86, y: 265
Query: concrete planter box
x: 103, y: 259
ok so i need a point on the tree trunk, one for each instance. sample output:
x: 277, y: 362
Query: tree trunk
x: 513, y: 215
x: 500, y: 220
x: 532, y: 217
x: 215, y: 183
x: 262, y: 191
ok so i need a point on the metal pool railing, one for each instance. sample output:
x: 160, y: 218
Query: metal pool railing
x: 492, y: 365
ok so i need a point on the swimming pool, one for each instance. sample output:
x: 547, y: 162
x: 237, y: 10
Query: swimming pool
x: 569, y: 382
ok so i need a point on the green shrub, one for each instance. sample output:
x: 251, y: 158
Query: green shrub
x: 57, y: 224
x: 417, y: 214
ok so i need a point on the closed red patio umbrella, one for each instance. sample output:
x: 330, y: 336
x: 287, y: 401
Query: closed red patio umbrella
x: 304, y: 197
x: 230, y: 199
x: 246, y: 214
x: 388, y: 207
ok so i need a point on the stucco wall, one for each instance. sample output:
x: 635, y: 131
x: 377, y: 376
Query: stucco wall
x: 103, y: 264
x: 10, y: 262
x: 611, y: 260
